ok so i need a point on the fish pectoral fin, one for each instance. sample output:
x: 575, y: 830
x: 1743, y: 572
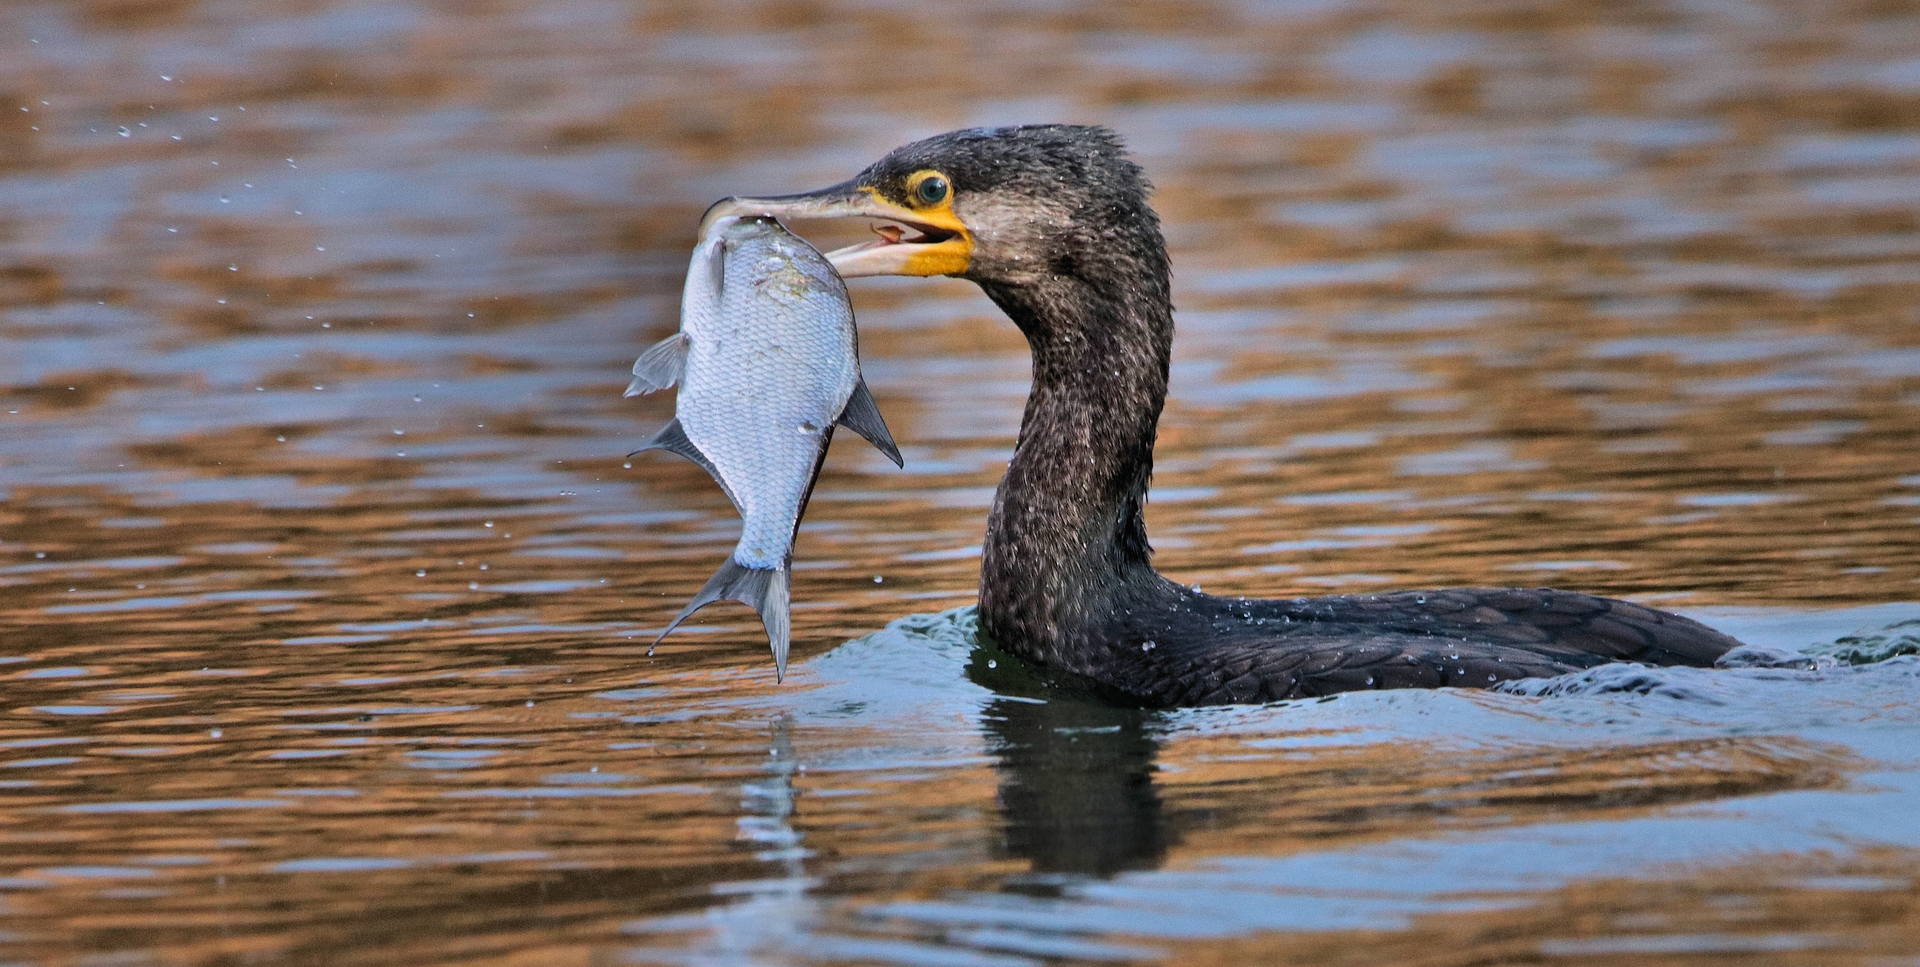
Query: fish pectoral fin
x: 717, y: 269
x: 661, y: 366
x: 763, y: 589
x: 862, y: 416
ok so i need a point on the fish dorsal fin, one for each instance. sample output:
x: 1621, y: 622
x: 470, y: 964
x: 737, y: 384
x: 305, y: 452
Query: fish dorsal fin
x: 763, y: 589
x: 661, y: 366
x: 862, y: 416
x: 673, y: 437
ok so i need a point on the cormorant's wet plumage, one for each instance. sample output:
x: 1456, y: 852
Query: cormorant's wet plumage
x: 1052, y: 222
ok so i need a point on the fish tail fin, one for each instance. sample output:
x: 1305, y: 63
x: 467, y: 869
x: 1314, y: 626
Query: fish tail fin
x: 764, y: 589
x: 862, y: 416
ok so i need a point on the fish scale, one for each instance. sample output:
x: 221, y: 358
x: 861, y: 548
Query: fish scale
x: 768, y: 362
x: 776, y: 353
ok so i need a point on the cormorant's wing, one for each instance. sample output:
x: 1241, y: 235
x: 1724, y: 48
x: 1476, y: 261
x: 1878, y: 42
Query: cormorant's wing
x: 1260, y: 651
x: 1307, y: 665
x: 1566, y: 626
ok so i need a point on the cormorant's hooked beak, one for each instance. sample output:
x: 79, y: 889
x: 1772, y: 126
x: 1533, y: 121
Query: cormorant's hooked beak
x: 942, y: 245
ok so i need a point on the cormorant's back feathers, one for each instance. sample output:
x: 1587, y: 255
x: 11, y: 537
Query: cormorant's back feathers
x: 1252, y: 650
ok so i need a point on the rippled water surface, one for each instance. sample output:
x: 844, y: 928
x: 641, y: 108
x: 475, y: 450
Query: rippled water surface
x: 326, y: 587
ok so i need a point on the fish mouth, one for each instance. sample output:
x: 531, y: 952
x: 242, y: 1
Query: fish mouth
x: 906, y: 242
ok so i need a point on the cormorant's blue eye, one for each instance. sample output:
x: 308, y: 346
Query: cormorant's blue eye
x: 932, y: 191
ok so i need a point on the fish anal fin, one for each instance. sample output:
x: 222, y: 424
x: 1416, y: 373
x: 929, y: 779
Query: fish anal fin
x: 763, y: 589
x: 862, y: 416
x: 661, y: 366
x: 673, y: 437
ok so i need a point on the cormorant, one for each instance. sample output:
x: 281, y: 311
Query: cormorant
x: 1053, y: 223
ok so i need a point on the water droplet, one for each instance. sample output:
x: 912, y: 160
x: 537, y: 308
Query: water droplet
x: 281, y: 439
x: 877, y: 579
x: 400, y: 432
x: 487, y: 524
x: 992, y: 664
x: 650, y: 650
x: 473, y: 585
x: 807, y: 428
x: 1149, y: 645
x: 224, y: 200
x: 420, y: 573
x: 233, y: 268
x: 167, y: 77
x: 1369, y: 679
x: 40, y: 554
x: 216, y: 733
x: 628, y: 465
x: 221, y: 301
x: 125, y: 131
x: 416, y: 397
x: 529, y: 703
x: 483, y: 567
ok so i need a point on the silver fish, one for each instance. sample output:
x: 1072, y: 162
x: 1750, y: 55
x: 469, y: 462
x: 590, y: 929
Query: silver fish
x: 767, y: 363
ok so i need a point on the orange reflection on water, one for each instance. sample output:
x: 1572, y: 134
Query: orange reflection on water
x: 327, y: 590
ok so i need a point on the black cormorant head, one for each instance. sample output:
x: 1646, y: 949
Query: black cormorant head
x: 1007, y: 206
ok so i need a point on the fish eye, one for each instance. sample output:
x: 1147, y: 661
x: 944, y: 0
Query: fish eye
x: 931, y: 191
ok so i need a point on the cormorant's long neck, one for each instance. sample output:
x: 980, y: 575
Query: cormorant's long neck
x: 1066, y: 541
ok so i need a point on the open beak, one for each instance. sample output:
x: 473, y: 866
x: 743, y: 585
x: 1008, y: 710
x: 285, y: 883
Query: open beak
x: 932, y: 242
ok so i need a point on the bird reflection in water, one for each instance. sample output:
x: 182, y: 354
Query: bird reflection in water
x: 1076, y: 776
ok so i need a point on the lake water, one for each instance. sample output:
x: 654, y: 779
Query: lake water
x: 326, y: 586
